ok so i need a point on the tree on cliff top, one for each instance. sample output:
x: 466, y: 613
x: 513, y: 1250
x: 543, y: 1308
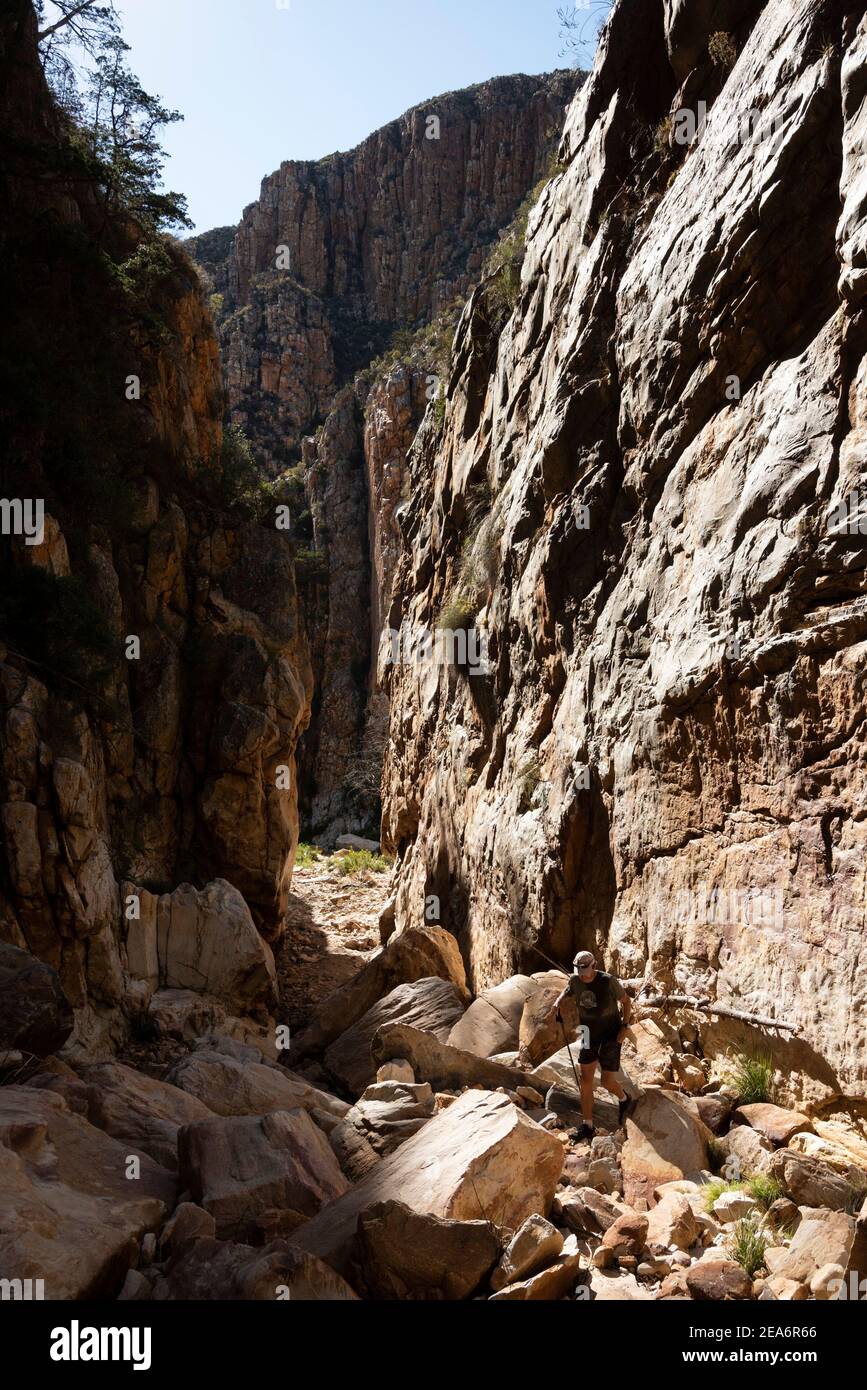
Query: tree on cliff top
x: 115, y: 121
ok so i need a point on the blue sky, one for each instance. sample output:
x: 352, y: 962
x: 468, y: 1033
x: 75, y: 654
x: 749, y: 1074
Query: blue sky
x: 260, y: 81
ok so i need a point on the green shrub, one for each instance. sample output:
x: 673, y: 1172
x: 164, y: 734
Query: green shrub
x: 714, y: 1190
x: 457, y: 616
x: 305, y: 855
x: 765, y: 1189
x: 311, y: 565
x: 362, y: 861
x: 722, y: 49
x: 752, y: 1075
x: 748, y: 1245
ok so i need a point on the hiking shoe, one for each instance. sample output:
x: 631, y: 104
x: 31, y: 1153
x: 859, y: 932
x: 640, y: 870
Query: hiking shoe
x: 585, y: 1132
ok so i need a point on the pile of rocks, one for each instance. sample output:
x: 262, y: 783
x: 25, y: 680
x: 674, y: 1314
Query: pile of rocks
x: 413, y: 1151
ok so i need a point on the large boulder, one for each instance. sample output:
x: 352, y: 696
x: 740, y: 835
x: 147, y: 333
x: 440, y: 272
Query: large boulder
x: 664, y: 1141
x: 445, y: 1067
x: 673, y: 1222
x: 414, y: 954
x: 387, y: 1114
x: 72, y: 1209
x: 555, y: 1281
x: 229, y: 1272
x: 541, y: 1032
x: 535, y: 1244
x: 432, y: 1005
x: 201, y: 940
x: 231, y: 1086
x: 745, y: 1152
x: 773, y: 1121
x: 406, y: 1254
x: 35, y: 1014
x: 143, y: 1113
x: 480, y: 1159
x: 608, y: 1287
x: 239, y: 1167
x: 810, y: 1182
x: 823, y: 1238
x: 490, y: 1025
x: 718, y: 1281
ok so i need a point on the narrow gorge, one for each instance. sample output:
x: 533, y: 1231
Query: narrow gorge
x: 450, y: 572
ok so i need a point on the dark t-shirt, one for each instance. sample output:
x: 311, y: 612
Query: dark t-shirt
x: 597, y: 1003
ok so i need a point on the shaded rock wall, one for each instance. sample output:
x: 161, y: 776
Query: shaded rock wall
x: 666, y: 762
x: 162, y: 761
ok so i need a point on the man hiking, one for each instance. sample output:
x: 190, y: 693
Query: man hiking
x: 604, y: 1009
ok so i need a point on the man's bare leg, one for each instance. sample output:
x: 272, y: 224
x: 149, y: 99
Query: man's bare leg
x: 610, y: 1082
x: 588, y: 1072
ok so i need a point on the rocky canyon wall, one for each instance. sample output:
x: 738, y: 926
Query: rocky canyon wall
x: 332, y: 261
x: 154, y: 674
x: 665, y: 761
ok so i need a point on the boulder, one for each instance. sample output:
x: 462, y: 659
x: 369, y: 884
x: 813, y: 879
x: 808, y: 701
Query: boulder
x: 482, y: 1158
x: 206, y: 941
x: 491, y: 1023
x: 187, y: 1224
x: 673, y: 1222
x: 431, y: 1005
x: 69, y: 1213
x: 586, y: 1211
x: 357, y: 842
x: 610, y: 1287
x: 541, y: 1034
x: 555, y: 1281
x: 785, y: 1290
x: 414, y: 954
x: 746, y: 1152
x: 718, y: 1281
x: 687, y: 1072
x: 823, y: 1238
x: 35, y: 1015
x: 827, y: 1282
x: 445, y: 1067
x: 810, y: 1182
x: 406, y: 1254
x: 238, y: 1167
x: 733, y: 1206
x: 663, y: 1142
x: 647, y: 1054
x: 141, y: 1112
x: 536, y: 1243
x: 387, y: 1114
x: 183, y: 1014
x: 775, y: 1123
x: 229, y: 1272
x: 713, y: 1110
x: 245, y: 1085
x: 628, y: 1236
x: 397, y: 1070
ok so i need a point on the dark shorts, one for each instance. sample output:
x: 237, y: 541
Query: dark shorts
x: 606, y: 1051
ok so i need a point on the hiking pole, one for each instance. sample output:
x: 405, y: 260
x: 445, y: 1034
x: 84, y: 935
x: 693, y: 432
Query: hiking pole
x: 569, y: 1050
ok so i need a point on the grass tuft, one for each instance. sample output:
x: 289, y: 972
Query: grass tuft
x: 752, y: 1075
x: 748, y: 1245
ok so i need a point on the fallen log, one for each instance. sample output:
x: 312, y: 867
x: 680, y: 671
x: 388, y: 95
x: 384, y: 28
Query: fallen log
x: 662, y: 1001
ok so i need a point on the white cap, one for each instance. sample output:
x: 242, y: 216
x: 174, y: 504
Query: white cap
x: 585, y: 960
